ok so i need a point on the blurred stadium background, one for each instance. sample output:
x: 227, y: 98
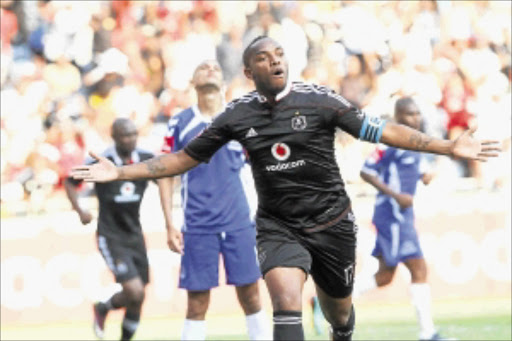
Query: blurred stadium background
x: 69, y: 68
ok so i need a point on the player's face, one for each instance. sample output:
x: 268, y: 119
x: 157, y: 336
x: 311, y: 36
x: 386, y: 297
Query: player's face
x: 208, y: 73
x: 268, y: 67
x: 126, y: 138
x: 410, y: 116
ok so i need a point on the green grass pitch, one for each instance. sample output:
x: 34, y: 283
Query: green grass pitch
x: 470, y: 319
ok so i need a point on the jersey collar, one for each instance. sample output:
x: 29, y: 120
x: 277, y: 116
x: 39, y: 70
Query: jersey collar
x: 134, y: 158
x: 198, y: 113
x: 280, y: 95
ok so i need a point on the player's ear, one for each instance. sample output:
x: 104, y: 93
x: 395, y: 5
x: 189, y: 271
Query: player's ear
x: 248, y: 73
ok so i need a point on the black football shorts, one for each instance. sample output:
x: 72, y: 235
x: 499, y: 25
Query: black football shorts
x: 126, y: 261
x: 328, y: 254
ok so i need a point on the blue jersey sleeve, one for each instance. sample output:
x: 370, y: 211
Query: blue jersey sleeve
x: 212, y: 138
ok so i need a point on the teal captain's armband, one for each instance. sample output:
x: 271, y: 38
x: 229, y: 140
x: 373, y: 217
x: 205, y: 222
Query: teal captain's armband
x: 371, y: 129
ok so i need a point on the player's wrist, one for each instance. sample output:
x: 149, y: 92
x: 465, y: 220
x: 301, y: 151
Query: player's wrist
x: 451, y: 148
x: 120, y: 173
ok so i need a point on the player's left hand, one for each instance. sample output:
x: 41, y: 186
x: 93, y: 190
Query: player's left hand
x: 467, y: 147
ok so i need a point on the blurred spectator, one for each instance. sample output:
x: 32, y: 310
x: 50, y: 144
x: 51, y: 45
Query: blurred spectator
x: 232, y: 44
x: 456, y: 96
x: 8, y: 24
x: 69, y: 68
x: 357, y: 84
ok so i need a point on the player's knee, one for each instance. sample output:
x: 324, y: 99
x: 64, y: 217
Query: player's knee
x: 249, y: 296
x: 251, y: 303
x: 337, y: 315
x: 196, y: 311
x: 287, y: 301
x: 384, y: 278
x: 419, y: 276
x: 135, y: 297
x: 197, y: 305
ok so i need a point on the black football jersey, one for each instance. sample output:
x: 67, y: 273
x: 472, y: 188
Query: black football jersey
x: 119, y: 201
x: 291, y: 149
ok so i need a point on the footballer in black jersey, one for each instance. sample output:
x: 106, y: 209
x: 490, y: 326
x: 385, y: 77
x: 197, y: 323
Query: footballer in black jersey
x: 304, y: 221
x: 119, y: 234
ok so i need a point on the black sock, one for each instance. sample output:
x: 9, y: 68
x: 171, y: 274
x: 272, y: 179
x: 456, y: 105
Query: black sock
x: 130, y: 324
x: 345, y: 333
x: 288, y: 325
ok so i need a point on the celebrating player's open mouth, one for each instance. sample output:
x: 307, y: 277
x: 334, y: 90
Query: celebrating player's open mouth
x: 278, y: 73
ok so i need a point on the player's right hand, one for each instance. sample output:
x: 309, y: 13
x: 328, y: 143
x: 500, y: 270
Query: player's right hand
x: 175, y: 240
x: 102, y: 171
x: 85, y: 217
x: 404, y: 200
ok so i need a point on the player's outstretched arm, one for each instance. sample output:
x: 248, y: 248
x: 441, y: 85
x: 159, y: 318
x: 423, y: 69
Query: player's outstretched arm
x: 465, y: 146
x: 161, y: 166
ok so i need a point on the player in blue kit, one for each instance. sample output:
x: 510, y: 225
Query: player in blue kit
x: 395, y: 173
x: 217, y: 218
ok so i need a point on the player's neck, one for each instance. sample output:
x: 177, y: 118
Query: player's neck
x: 126, y: 157
x: 271, y: 98
x: 210, y: 104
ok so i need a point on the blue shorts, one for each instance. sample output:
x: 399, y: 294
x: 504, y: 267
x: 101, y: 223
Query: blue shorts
x: 200, y: 261
x: 396, y: 242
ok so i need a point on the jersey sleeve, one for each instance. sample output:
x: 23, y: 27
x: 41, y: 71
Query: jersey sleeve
x: 352, y: 119
x: 377, y: 161
x: 171, y: 140
x: 211, y: 139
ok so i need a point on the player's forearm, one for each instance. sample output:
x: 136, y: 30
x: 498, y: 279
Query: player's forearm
x: 379, y: 185
x: 401, y: 136
x: 166, y: 189
x: 72, y: 196
x: 158, y: 167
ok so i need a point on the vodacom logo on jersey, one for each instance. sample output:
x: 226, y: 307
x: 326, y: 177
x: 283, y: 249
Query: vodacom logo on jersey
x: 281, y: 152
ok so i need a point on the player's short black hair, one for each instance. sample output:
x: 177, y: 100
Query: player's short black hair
x: 119, y: 125
x: 403, y: 102
x: 247, y: 51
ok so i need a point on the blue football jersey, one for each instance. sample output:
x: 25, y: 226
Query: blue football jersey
x: 212, y: 194
x: 400, y: 170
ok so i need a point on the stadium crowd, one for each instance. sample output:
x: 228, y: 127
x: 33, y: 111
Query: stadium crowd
x: 70, y: 68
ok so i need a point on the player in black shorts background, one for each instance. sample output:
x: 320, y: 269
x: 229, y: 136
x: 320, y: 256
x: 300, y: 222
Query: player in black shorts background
x: 304, y: 220
x: 119, y: 234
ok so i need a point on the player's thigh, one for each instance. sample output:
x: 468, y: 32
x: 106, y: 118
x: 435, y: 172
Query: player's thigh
x: 200, y: 262
x: 279, y: 248
x: 140, y: 259
x: 285, y: 286
x: 240, y: 256
x: 418, y: 269
x: 333, y: 253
